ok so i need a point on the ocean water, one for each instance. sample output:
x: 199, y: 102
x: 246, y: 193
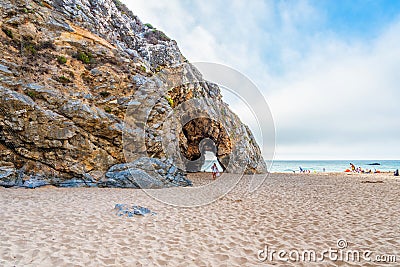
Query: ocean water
x: 332, y: 165
x: 319, y: 165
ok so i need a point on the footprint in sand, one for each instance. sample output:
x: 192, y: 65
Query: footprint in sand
x: 221, y: 257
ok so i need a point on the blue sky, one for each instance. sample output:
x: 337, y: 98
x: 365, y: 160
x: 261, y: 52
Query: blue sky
x: 329, y: 70
x: 363, y: 18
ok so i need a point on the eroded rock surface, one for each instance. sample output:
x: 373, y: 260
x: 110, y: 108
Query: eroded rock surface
x: 149, y: 173
x: 70, y: 70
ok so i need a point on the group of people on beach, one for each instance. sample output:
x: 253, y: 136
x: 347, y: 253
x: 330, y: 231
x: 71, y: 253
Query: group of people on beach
x: 216, y: 173
x: 352, y: 168
x: 304, y: 170
x: 360, y: 170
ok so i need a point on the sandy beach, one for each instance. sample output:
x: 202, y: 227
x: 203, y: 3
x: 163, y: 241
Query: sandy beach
x: 78, y: 227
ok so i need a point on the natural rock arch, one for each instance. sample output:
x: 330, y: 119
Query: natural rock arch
x: 200, y: 135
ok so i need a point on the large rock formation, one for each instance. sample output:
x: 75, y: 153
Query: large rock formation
x: 71, y: 71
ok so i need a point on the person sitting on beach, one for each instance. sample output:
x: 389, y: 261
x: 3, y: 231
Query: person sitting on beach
x: 353, y: 168
x: 396, y: 173
x: 215, y: 171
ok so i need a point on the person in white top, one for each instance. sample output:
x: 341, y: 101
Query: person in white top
x: 215, y: 171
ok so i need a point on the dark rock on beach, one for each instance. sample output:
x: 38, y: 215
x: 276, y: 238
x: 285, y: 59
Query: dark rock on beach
x: 145, y: 173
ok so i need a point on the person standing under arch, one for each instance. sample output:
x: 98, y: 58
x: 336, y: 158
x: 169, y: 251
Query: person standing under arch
x: 215, y: 171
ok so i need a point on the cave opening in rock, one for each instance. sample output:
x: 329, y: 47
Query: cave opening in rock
x: 202, y: 136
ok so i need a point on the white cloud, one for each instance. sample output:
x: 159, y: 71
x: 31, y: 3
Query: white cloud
x: 341, y: 101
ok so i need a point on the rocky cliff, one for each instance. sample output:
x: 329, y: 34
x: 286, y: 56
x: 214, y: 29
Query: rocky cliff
x: 86, y: 95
